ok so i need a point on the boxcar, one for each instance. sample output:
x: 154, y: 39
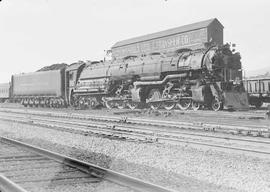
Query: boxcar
x: 258, y: 90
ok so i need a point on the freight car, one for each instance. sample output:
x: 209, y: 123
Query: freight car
x: 4, y: 92
x: 258, y: 90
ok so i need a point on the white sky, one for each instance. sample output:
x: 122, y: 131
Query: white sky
x: 37, y: 33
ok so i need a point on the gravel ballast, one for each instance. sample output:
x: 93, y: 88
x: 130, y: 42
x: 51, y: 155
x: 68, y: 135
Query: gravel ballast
x: 179, y: 167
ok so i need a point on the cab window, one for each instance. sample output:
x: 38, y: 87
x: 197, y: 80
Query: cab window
x: 71, y: 76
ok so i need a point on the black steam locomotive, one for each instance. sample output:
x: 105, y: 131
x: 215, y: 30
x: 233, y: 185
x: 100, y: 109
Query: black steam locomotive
x: 184, y: 78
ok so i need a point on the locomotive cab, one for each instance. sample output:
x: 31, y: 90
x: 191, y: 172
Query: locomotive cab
x: 71, y: 78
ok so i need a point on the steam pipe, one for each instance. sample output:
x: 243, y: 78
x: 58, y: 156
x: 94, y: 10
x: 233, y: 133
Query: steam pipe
x: 138, y: 83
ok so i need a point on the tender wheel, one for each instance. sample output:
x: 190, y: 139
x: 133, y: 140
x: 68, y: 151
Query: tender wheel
x: 196, y: 106
x: 51, y: 104
x: 25, y: 103
x: 30, y: 103
x: 42, y: 103
x: 154, y: 95
x: 169, y: 105
x: 184, y: 104
x: 47, y: 103
x: 132, y: 105
x: 36, y: 104
x: 216, y: 104
x: 62, y: 103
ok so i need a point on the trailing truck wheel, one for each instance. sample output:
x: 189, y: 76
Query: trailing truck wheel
x: 109, y: 104
x: 169, y: 105
x: 154, y: 95
x: 25, y: 103
x: 216, y: 104
x: 195, y: 106
x: 184, y: 104
x: 42, y: 103
x: 30, y: 104
x: 132, y: 105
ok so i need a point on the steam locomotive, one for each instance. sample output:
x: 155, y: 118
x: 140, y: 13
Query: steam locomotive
x: 184, y: 78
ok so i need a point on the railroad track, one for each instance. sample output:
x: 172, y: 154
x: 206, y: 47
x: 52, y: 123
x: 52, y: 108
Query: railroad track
x: 116, y: 127
x: 146, y: 133
x: 261, y: 114
x: 251, y: 130
x: 29, y: 168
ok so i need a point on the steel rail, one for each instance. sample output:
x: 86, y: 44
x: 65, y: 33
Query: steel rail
x: 7, y: 185
x: 92, y: 169
x: 224, y: 147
